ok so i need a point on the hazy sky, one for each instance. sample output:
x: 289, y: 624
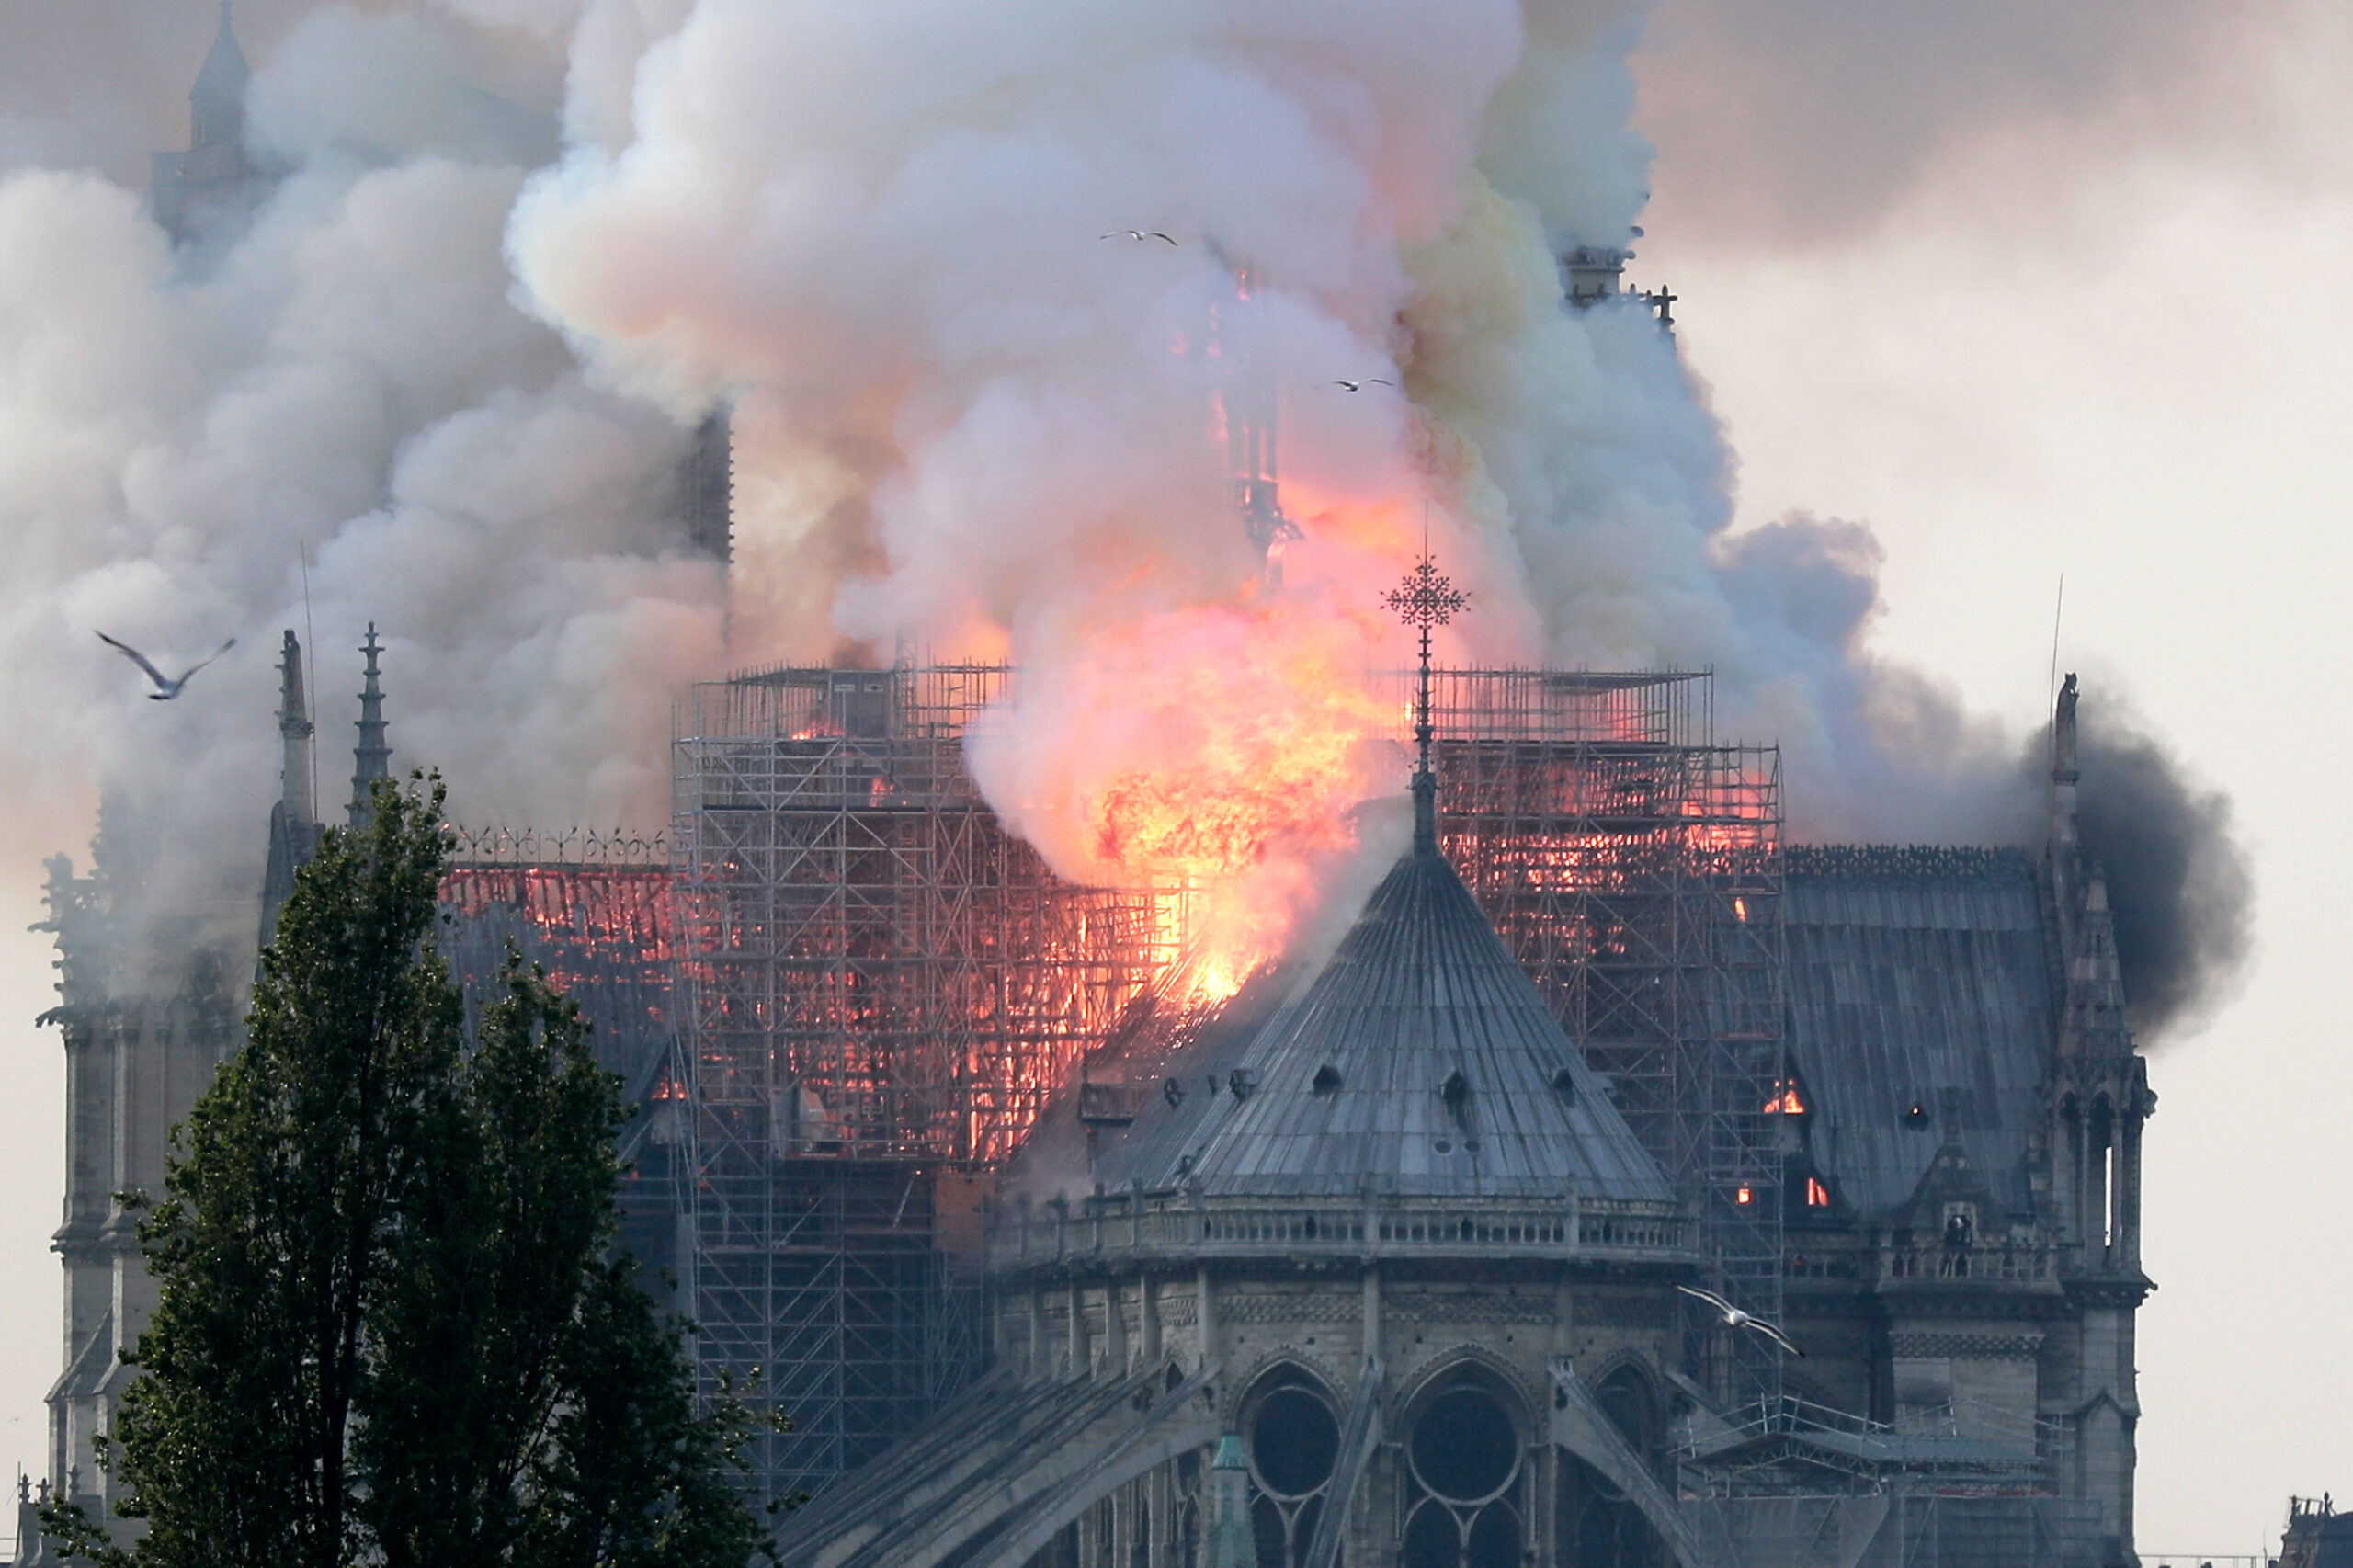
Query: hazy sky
x: 2031, y: 289
x: 2039, y: 290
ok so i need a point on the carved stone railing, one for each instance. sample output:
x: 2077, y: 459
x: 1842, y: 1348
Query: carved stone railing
x: 2008, y: 1264
x: 1863, y: 1261
x: 1129, y: 1228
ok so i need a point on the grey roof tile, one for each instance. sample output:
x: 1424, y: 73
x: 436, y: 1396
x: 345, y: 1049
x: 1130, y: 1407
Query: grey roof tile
x: 1419, y: 990
x: 1924, y: 981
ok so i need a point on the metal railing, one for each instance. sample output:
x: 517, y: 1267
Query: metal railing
x: 1969, y: 1430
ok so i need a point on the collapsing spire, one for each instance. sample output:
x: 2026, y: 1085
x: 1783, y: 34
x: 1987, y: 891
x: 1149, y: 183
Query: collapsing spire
x: 372, y: 758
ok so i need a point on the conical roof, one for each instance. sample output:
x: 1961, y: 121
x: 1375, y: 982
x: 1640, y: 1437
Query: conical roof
x: 1419, y: 1060
x: 222, y: 80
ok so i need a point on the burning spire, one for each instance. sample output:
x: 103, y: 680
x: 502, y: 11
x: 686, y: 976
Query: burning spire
x: 1247, y: 408
x: 1426, y: 598
x: 372, y: 758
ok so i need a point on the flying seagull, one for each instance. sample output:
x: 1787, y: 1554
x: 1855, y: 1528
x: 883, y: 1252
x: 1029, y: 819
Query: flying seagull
x: 165, y: 688
x: 1735, y: 1318
x: 1368, y: 381
x: 1138, y: 235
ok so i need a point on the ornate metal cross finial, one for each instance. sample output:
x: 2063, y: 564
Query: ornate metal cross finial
x: 1427, y: 597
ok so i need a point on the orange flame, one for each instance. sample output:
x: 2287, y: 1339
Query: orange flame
x: 1215, y: 750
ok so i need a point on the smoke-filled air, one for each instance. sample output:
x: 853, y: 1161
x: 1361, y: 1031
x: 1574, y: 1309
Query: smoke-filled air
x: 1004, y: 301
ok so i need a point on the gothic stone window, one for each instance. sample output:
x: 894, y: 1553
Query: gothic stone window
x: 1464, y: 1491
x: 1599, y: 1525
x: 1294, y: 1442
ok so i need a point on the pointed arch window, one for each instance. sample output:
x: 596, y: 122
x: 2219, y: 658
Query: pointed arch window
x: 1294, y: 1444
x: 1465, y: 1484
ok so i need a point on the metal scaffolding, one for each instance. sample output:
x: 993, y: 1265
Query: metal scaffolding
x: 597, y: 914
x: 879, y: 989
x: 1634, y: 867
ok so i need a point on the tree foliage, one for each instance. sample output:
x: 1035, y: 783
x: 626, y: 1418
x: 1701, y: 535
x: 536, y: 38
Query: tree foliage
x: 388, y: 1328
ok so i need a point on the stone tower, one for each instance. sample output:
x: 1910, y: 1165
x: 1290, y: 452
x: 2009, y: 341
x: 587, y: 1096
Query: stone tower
x: 215, y: 185
x: 294, y: 820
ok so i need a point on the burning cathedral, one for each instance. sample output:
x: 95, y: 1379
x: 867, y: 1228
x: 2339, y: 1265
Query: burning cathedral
x: 1624, y: 1186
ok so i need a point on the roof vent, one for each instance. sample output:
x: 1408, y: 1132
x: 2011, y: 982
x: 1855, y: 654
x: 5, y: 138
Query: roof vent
x: 1916, y: 1114
x: 1455, y: 1092
x: 1243, y: 1082
x: 1173, y: 1091
x: 1327, y: 1078
x: 1564, y: 1083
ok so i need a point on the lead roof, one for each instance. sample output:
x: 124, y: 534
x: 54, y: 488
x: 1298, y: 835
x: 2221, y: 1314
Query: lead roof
x: 1919, y: 980
x: 1420, y: 995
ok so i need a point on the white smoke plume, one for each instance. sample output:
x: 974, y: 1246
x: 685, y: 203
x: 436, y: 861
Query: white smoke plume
x: 878, y: 229
x: 346, y: 382
x: 453, y: 357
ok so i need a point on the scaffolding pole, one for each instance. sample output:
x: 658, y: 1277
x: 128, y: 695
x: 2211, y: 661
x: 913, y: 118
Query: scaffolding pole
x: 1634, y: 867
x: 878, y: 987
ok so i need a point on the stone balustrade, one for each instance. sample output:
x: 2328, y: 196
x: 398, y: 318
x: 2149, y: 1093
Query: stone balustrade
x: 1129, y: 1227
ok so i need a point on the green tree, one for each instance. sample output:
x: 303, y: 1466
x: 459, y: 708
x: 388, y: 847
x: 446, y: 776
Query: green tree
x: 388, y: 1327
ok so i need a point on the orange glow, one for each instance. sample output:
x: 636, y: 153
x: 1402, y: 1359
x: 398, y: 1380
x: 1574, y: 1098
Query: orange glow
x: 1785, y: 1101
x: 1217, y: 752
x: 1817, y: 1195
x: 1744, y: 1196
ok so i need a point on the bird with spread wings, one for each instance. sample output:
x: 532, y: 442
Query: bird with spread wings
x: 1735, y: 1317
x: 165, y: 688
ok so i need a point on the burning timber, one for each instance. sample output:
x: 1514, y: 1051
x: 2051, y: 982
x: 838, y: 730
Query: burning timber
x: 952, y: 1152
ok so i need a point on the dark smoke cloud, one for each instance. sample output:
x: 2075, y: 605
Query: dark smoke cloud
x: 2179, y: 880
x: 1897, y: 756
x: 1807, y: 121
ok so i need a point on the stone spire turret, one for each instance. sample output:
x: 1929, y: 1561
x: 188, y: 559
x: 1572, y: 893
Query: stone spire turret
x: 372, y: 757
x: 211, y: 189
x: 294, y: 728
x: 217, y: 102
x: 294, y: 820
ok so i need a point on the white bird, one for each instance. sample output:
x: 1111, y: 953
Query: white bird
x: 1368, y: 381
x: 165, y: 688
x: 1138, y: 235
x: 1735, y: 1318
